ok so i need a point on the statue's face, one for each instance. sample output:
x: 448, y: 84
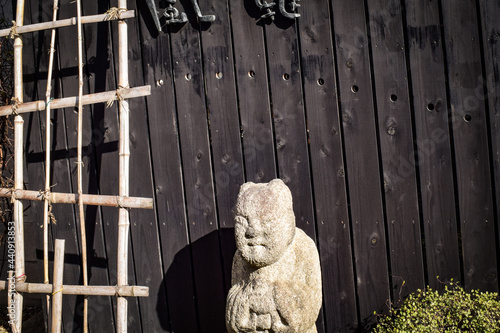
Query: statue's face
x: 264, y: 227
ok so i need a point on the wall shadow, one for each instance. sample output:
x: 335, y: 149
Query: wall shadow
x: 195, y: 285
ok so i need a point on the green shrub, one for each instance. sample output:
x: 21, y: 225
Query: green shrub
x: 454, y: 310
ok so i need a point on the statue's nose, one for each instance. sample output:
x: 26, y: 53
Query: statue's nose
x: 253, y: 228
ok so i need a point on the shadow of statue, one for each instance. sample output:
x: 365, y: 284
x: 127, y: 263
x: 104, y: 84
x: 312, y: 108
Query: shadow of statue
x: 196, y: 284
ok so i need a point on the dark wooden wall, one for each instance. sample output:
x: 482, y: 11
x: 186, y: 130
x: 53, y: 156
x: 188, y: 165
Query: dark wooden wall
x: 382, y: 117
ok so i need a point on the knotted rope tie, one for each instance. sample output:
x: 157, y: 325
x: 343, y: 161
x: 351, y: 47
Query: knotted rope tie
x: 13, y: 31
x: 48, y: 102
x: 57, y: 291
x: 51, y: 215
x: 119, y: 202
x: 46, y: 197
x: 21, y: 278
x: 114, y: 13
x: 118, y: 96
x: 16, y: 105
x: 12, y: 195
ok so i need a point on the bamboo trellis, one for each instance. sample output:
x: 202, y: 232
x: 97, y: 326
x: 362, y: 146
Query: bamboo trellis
x: 122, y: 201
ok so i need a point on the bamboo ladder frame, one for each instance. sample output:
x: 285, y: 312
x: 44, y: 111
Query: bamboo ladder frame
x: 122, y: 201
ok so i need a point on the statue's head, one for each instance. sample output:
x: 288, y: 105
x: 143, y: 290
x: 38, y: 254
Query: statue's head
x: 264, y: 222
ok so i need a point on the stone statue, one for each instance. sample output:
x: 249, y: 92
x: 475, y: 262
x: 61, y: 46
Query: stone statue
x: 276, y: 277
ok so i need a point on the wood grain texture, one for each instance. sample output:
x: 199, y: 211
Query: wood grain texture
x: 327, y: 166
x: 197, y: 174
x: 361, y: 149
x: 489, y: 11
x: 433, y: 142
x: 470, y: 140
x: 178, y: 282
x: 396, y: 145
x: 223, y: 116
x: 251, y: 75
x: 283, y: 56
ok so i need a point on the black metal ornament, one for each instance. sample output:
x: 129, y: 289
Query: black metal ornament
x: 173, y: 16
x: 267, y: 8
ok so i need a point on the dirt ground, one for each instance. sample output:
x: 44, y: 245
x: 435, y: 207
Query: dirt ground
x: 32, y: 320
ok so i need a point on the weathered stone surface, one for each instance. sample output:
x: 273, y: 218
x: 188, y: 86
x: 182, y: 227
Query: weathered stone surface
x: 276, y: 277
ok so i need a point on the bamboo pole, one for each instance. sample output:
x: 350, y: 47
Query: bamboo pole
x: 42, y: 288
x: 71, y: 198
x: 47, y: 156
x: 18, y: 216
x: 18, y: 165
x: 83, y: 235
x: 66, y: 23
x: 58, y: 286
x: 124, y: 150
x: 73, y: 101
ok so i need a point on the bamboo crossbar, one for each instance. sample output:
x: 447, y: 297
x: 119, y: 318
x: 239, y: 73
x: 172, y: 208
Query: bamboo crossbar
x: 44, y: 288
x: 66, y: 23
x: 73, y: 101
x: 72, y: 198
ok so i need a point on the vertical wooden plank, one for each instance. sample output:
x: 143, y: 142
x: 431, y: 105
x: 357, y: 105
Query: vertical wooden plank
x: 327, y: 164
x: 396, y: 145
x: 460, y: 22
x: 179, y: 315
x: 433, y: 142
x: 358, y: 117
x: 223, y: 123
x: 283, y: 55
x: 105, y: 133
x: 253, y: 92
x: 290, y: 128
x: 490, y: 11
x: 197, y: 174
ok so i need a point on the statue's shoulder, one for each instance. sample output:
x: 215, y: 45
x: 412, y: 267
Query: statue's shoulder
x: 306, y: 253
x: 303, y: 242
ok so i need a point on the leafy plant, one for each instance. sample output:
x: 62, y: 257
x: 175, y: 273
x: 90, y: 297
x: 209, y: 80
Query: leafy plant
x: 454, y: 310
